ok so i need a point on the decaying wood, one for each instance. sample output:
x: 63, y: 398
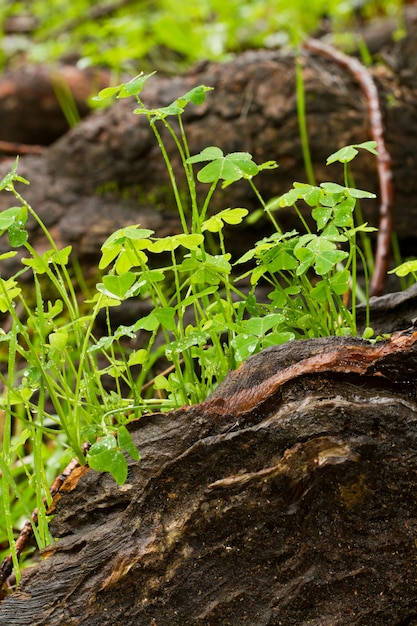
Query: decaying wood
x: 108, y: 171
x: 30, y: 112
x: 26, y: 533
x: 288, y: 497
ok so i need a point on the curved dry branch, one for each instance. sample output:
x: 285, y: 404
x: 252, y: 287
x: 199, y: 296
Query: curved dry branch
x: 364, y: 78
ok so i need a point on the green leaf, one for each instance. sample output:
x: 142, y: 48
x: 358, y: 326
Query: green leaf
x: 261, y: 325
x: 124, y: 331
x: 104, y: 343
x: 307, y: 191
x: 333, y: 188
x: 210, y: 153
x: 58, y: 339
x: 279, y: 258
x: 233, y: 216
x: 274, y: 339
x: 312, y: 197
x: 197, y: 96
x: 162, y: 382
x: 124, y: 90
x: 17, y: 235
x: 332, y: 233
x: 340, y: 282
x: 138, y: 357
x: 194, y: 338
x: 8, y: 255
x: 16, y: 396
x: 231, y: 167
x: 289, y: 198
x: 229, y: 216
x: 319, y: 291
x: 197, y: 296
x: 118, y: 287
x: 106, y: 93
x: 109, y: 460
x: 171, y: 242
x: 319, y: 252
x: 368, y: 333
x: 118, y: 238
x: 359, y: 193
x: 9, y: 178
x: 134, y: 86
x: 6, y: 182
x: 344, y: 155
x: 408, y: 267
x: 126, y: 443
x: 248, y: 256
x: 218, y: 263
x: 268, y: 165
x: 108, y: 442
x: 8, y: 217
x: 306, y: 258
x: 8, y: 292
x: 166, y: 317
x: 149, y: 322
x: 40, y: 264
x: 244, y: 345
x: 343, y: 213
x: 321, y: 215
x: 370, y: 146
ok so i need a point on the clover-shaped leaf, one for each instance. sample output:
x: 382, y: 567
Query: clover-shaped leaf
x: 318, y: 252
x: 229, y: 216
x: 347, y: 153
x: 124, y: 90
x: 230, y: 167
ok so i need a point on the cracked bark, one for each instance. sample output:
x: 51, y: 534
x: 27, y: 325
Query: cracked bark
x: 287, y: 497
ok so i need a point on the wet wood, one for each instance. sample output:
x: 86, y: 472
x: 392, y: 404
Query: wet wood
x: 288, y: 497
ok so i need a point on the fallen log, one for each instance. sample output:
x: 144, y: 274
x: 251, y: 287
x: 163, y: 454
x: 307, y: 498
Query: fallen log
x: 288, y: 497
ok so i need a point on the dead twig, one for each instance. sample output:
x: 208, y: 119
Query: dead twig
x: 362, y: 75
x: 26, y: 534
x: 10, y: 147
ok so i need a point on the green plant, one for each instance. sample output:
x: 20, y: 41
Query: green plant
x: 229, y: 324
x: 205, y: 319
x: 407, y: 268
x: 128, y: 36
x: 51, y: 388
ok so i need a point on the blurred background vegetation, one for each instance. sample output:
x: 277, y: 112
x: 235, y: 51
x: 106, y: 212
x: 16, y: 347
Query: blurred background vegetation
x: 127, y: 36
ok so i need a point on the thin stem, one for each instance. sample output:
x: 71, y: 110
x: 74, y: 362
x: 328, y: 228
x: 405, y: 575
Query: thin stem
x: 302, y: 121
x: 264, y: 206
x: 171, y: 175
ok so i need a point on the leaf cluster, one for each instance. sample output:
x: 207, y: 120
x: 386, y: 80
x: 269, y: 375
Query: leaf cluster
x: 62, y: 383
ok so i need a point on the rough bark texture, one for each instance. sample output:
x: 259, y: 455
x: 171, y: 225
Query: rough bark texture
x: 288, y: 497
x: 30, y: 112
x: 108, y: 171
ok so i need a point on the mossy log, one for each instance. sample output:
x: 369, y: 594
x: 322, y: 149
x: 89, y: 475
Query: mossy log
x: 288, y: 497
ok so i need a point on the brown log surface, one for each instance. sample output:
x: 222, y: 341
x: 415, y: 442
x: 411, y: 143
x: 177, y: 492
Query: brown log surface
x: 288, y: 497
x: 107, y: 171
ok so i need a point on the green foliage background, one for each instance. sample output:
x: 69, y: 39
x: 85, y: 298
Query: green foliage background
x: 169, y: 35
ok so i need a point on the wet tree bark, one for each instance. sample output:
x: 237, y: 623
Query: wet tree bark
x: 288, y: 497
x: 107, y: 171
